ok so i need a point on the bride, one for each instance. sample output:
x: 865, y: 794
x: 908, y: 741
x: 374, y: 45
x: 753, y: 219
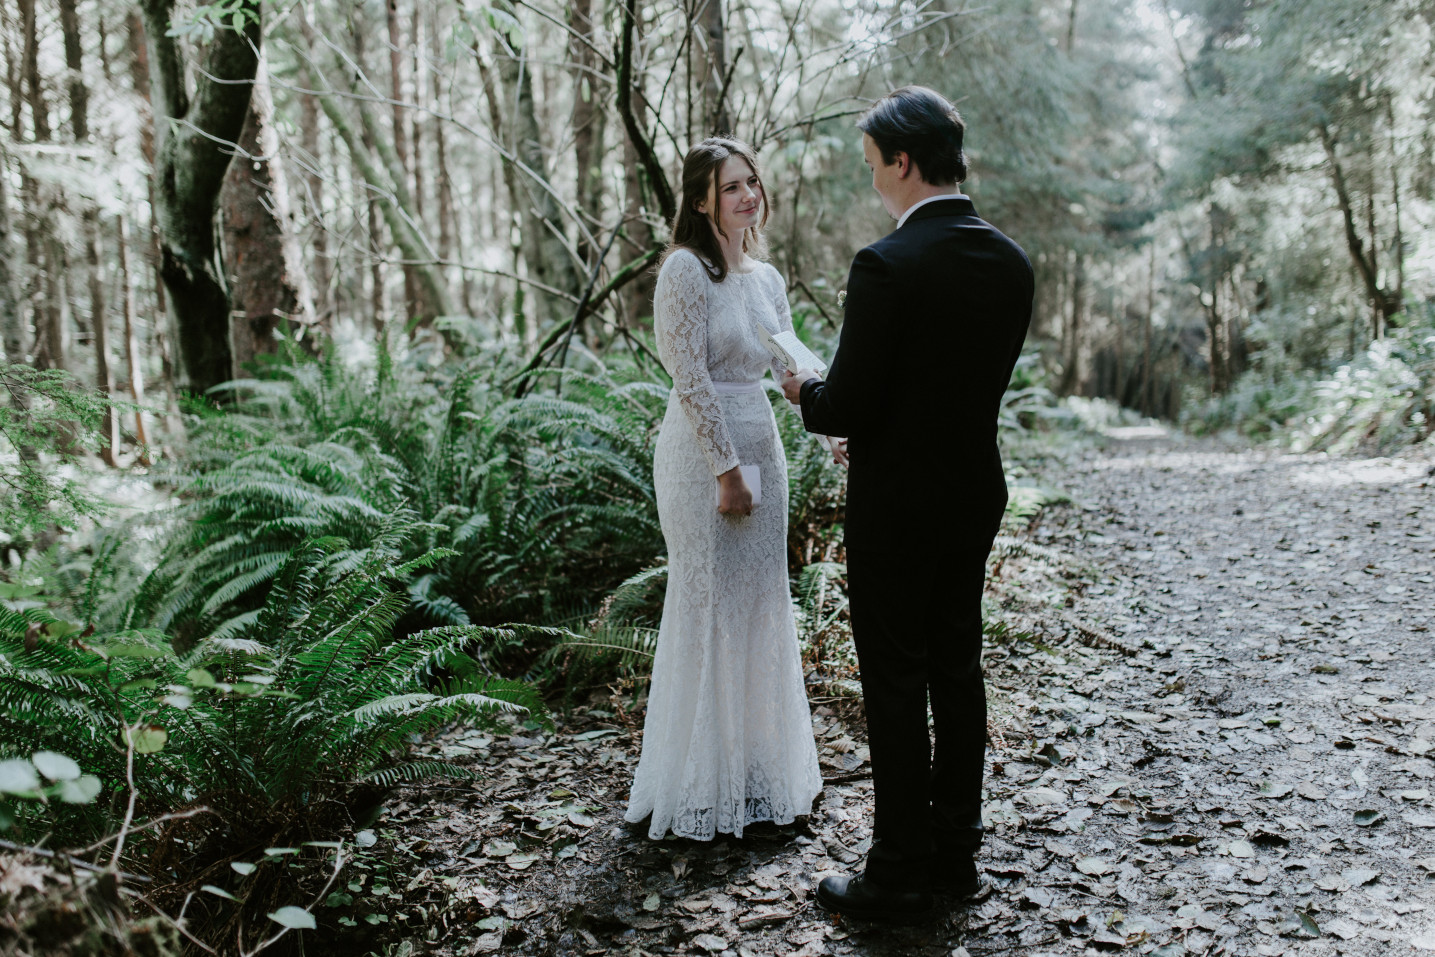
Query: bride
x: 728, y: 736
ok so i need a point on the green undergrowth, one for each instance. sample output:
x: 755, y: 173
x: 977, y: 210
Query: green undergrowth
x: 1380, y: 401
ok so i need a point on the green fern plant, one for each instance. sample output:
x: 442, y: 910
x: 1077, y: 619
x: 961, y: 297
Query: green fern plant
x: 312, y: 697
x: 542, y: 504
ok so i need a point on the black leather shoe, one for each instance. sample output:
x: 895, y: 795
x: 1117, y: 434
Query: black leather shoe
x: 963, y: 883
x: 857, y: 897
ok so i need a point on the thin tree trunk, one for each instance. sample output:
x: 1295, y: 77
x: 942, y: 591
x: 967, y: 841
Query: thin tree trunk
x: 548, y: 258
x: 268, y: 285
x: 412, y: 309
x: 12, y: 320
x: 416, y: 67
x: 104, y: 375
x: 139, y: 76
x: 588, y: 119
x: 90, y: 229
x: 1383, y: 303
x: 645, y: 177
x: 50, y: 337
x: 40, y: 250
x: 30, y: 74
x: 132, y: 352
x: 13, y: 77
x: 1146, y: 332
x: 450, y: 239
x: 719, y: 120
x: 1071, y: 365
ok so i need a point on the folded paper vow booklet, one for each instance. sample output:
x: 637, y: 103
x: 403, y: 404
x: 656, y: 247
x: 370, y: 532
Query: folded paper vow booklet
x: 792, y: 352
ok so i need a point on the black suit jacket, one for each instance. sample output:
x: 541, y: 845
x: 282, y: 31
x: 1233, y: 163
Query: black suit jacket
x: 936, y: 313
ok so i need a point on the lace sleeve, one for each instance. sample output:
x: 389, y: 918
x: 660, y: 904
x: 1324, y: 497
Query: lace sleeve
x: 680, y: 319
x: 783, y: 309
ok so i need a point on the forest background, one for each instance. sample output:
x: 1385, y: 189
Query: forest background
x: 330, y: 381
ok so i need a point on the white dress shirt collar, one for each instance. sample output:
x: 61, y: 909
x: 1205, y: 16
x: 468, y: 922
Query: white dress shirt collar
x: 930, y: 199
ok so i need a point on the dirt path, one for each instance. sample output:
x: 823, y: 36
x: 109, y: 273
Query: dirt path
x: 1223, y: 747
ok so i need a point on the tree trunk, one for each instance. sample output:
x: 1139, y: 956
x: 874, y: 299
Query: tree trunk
x: 1383, y: 302
x: 12, y: 320
x: 90, y: 229
x: 268, y: 286
x: 139, y: 76
x: 450, y: 239
x: 189, y: 173
x: 588, y: 118
x: 415, y: 313
x: 1146, y: 331
x: 40, y: 250
x: 30, y: 74
x: 547, y: 255
x: 645, y: 184
x: 13, y: 79
x: 1071, y: 362
x: 719, y: 120
x: 74, y: 60
x: 132, y: 352
x: 314, y: 189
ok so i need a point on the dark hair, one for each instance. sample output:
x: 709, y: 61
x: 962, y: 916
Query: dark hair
x: 691, y: 229
x: 921, y: 123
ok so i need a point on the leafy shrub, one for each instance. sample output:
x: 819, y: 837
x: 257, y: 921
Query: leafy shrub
x: 315, y: 698
x: 1381, y: 400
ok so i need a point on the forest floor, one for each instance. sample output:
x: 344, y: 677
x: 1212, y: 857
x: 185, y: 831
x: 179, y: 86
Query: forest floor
x: 1226, y: 745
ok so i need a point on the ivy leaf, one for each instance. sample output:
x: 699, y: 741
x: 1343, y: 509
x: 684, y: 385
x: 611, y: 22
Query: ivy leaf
x: 17, y: 776
x: 56, y: 767
x: 293, y: 917
x: 147, y: 739
x: 82, y: 790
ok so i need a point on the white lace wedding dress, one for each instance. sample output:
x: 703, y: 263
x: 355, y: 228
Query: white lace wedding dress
x: 728, y: 735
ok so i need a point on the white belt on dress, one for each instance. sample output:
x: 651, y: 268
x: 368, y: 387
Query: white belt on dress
x: 737, y: 388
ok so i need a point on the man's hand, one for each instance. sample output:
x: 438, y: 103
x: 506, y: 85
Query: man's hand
x: 792, y: 383
x: 838, y: 448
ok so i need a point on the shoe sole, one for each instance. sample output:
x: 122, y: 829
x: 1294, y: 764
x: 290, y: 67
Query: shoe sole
x: 877, y: 917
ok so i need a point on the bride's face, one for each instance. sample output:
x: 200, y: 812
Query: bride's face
x: 737, y: 197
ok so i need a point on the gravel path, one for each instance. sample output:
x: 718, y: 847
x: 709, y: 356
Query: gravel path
x: 1257, y: 777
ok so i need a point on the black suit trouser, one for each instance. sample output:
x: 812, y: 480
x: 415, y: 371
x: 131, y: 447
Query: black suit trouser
x: 917, y: 626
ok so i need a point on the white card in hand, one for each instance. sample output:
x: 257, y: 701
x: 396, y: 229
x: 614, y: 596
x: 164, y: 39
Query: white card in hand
x: 752, y: 475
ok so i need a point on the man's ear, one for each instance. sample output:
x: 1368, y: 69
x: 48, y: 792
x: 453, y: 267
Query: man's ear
x: 903, y: 162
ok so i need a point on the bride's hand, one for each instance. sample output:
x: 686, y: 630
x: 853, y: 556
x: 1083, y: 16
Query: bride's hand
x: 734, y: 497
x: 838, y: 447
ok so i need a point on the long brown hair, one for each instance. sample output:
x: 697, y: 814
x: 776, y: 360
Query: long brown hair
x: 697, y: 231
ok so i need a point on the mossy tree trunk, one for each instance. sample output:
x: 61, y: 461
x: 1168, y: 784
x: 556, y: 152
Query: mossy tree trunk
x: 195, y: 136
x: 268, y: 285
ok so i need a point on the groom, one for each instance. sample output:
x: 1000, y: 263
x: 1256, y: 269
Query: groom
x: 926, y: 491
